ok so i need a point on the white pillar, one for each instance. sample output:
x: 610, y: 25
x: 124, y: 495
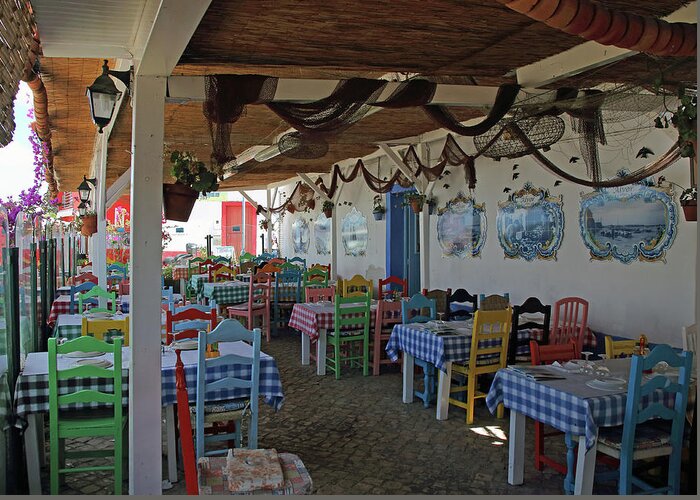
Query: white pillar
x: 334, y: 243
x: 145, y: 459
x: 99, y: 239
x: 424, y: 226
x: 243, y: 228
x: 269, y: 226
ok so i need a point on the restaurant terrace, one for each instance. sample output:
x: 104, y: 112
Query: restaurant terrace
x: 387, y: 247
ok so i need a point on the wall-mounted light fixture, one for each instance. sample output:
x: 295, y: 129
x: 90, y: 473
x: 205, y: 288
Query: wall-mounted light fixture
x: 103, y: 95
x: 84, y: 191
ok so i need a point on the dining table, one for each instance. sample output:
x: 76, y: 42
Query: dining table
x: 69, y: 326
x: 313, y: 320
x: 61, y: 305
x: 197, y: 282
x: 226, y: 292
x: 574, y: 402
x: 31, y: 397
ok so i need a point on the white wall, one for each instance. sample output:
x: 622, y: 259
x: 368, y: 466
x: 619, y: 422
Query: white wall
x: 654, y: 298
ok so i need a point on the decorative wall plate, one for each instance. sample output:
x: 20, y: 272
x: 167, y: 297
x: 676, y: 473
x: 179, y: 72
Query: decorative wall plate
x: 628, y: 223
x: 461, y: 227
x: 353, y: 231
x: 530, y: 224
x: 322, y: 234
x: 300, y: 235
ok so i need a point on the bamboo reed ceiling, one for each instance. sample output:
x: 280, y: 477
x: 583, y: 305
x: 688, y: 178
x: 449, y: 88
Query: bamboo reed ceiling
x: 466, y: 42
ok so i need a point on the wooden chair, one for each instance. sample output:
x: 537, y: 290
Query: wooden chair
x: 388, y: 314
x: 221, y: 260
x: 441, y: 298
x: 322, y: 267
x: 652, y: 431
x: 123, y: 287
x: 246, y: 257
x: 545, y: 355
x: 351, y: 327
x: 269, y: 268
x: 168, y: 297
x: 392, y: 284
x: 106, y: 329
x: 420, y: 309
x: 357, y: 284
x: 315, y: 294
x: 299, y: 262
x: 277, y: 261
x: 118, y: 269
x: 75, y: 290
x: 619, y: 348
x: 248, y: 267
x: 287, y: 293
x: 315, y: 278
x: 199, y: 307
x: 223, y: 273
x: 228, y: 330
x: 193, y: 266
x: 290, y: 266
x: 72, y: 424
x: 488, y: 354
x: 494, y: 302
x: 91, y: 297
x: 457, y: 311
x: 82, y: 278
x: 532, y: 305
x: 570, y: 322
x: 186, y: 324
x: 258, y: 303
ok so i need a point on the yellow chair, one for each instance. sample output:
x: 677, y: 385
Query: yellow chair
x: 618, y: 348
x: 224, y: 273
x: 490, y: 327
x: 98, y: 328
x: 357, y: 284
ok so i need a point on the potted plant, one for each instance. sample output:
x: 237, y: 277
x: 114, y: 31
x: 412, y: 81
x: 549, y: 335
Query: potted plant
x: 431, y: 202
x: 378, y: 210
x: 688, y: 199
x: 88, y: 223
x: 415, y: 201
x: 192, y: 177
x: 328, y: 209
x: 263, y: 224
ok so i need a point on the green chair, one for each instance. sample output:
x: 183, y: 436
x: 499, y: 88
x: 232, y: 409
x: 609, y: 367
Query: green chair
x: 246, y: 257
x: 91, y: 297
x: 73, y: 424
x: 315, y: 278
x: 351, y: 327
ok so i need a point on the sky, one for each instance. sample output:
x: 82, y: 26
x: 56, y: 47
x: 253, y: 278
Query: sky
x: 16, y: 158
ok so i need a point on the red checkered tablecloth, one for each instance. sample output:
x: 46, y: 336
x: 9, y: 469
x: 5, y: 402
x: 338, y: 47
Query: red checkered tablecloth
x: 62, y: 306
x: 309, y: 318
x: 180, y: 273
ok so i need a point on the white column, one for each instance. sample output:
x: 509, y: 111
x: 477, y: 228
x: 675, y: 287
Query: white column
x: 145, y: 460
x: 269, y: 226
x: 243, y: 228
x: 424, y: 224
x: 99, y: 239
x: 334, y: 243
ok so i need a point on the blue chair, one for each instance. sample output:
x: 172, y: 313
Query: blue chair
x: 287, y: 293
x: 167, y: 297
x: 419, y: 309
x: 654, y: 430
x: 302, y: 262
x: 76, y: 289
x: 229, y: 330
x: 221, y: 260
x: 118, y: 269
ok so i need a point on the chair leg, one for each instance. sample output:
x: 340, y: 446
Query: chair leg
x: 118, y: 464
x: 365, y: 357
x: 539, y: 445
x: 471, y: 387
x: 336, y: 348
x: 54, y: 464
x: 375, y: 355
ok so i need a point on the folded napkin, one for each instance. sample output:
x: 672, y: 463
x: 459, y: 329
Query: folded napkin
x: 568, y: 367
x: 250, y: 470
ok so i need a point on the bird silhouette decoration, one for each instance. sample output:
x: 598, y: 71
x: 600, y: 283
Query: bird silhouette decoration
x: 506, y: 190
x: 574, y: 159
x: 644, y: 152
x: 556, y: 183
x: 515, y: 167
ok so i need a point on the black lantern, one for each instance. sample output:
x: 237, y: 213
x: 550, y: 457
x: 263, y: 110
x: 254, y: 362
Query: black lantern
x: 82, y: 208
x: 103, y: 95
x: 84, y: 189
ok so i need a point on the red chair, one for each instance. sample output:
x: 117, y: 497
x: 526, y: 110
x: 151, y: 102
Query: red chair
x: 570, y: 322
x: 316, y: 294
x: 392, y: 280
x: 186, y: 324
x: 258, y: 303
x: 123, y: 287
x: 82, y: 278
x: 203, y: 267
x: 388, y: 315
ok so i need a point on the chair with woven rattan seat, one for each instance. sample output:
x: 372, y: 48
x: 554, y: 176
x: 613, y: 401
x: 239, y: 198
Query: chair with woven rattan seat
x: 388, y: 314
x: 461, y: 304
x: 619, y: 348
x: 392, y: 285
x: 258, y: 303
x: 524, y: 319
x: 420, y: 309
x: 352, y: 323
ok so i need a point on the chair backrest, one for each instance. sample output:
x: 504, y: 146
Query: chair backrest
x: 75, y: 392
x: 316, y: 278
x: 548, y: 354
x: 221, y: 260
x: 277, y: 261
x: 570, y: 321
x: 352, y: 313
x: 461, y: 296
x: 223, y: 273
x: 314, y: 294
x: 75, y: 290
x: 489, y: 344
x: 95, y: 292
x: 288, y: 286
x: 418, y: 309
x: 261, y: 259
x: 199, y: 307
x: 441, y: 299
x: 298, y: 261
x: 229, y: 330
x: 494, y: 302
x: 246, y: 257
x: 322, y: 267
x: 118, y: 268
x: 357, y: 284
x: 186, y: 324
x: 124, y: 287
x: 619, y: 348
x: 193, y: 265
x: 82, y: 278
x: 248, y: 267
x: 639, y: 389
x: 388, y: 314
x: 532, y: 305
x: 269, y: 268
x: 106, y: 329
x: 392, y: 284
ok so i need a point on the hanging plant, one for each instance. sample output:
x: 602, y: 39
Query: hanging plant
x: 415, y: 201
x: 328, y: 209
x: 192, y: 177
x: 683, y: 118
x: 88, y: 223
x: 378, y: 209
x: 264, y: 224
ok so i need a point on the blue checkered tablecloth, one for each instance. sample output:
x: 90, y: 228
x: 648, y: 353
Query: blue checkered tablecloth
x: 227, y: 292
x: 417, y: 340
x: 197, y: 282
x: 32, y: 389
x: 568, y: 405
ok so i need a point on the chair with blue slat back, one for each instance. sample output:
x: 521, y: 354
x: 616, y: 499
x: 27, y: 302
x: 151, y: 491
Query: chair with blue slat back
x: 229, y: 330
x: 461, y: 304
x: 76, y: 289
x: 298, y: 261
x: 420, y: 309
x: 287, y: 293
x: 167, y: 297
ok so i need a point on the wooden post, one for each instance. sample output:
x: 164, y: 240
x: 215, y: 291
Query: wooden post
x: 99, y: 239
x: 269, y: 226
x: 145, y: 460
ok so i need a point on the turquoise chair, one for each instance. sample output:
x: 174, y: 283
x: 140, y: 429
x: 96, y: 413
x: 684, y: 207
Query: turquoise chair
x: 76, y: 289
x: 420, y: 305
x: 654, y: 430
x: 91, y: 297
x: 167, y: 297
x: 302, y: 262
x: 287, y: 293
x: 229, y: 330
x: 119, y: 269
x: 246, y: 257
x: 221, y: 260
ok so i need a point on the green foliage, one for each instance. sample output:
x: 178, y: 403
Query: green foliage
x: 378, y: 205
x: 684, y: 118
x: 188, y: 170
x: 327, y: 205
x: 412, y: 197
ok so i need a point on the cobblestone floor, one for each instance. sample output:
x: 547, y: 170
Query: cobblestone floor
x: 355, y: 436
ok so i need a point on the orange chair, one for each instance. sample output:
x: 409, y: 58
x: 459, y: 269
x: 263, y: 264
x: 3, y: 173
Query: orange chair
x: 570, y: 322
x: 316, y: 294
x: 258, y: 303
x: 401, y: 284
x: 187, y: 324
x: 269, y: 268
x: 388, y: 315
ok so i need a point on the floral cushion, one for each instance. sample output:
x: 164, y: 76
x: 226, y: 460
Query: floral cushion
x: 223, y: 406
x: 347, y: 333
x: 650, y: 434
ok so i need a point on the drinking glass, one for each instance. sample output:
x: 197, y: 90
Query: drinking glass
x: 587, y: 367
x: 601, y: 370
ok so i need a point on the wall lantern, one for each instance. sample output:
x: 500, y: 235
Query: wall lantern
x: 84, y: 189
x: 103, y: 95
x: 82, y: 209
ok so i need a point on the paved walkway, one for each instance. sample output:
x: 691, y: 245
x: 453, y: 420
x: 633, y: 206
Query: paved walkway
x: 357, y: 437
